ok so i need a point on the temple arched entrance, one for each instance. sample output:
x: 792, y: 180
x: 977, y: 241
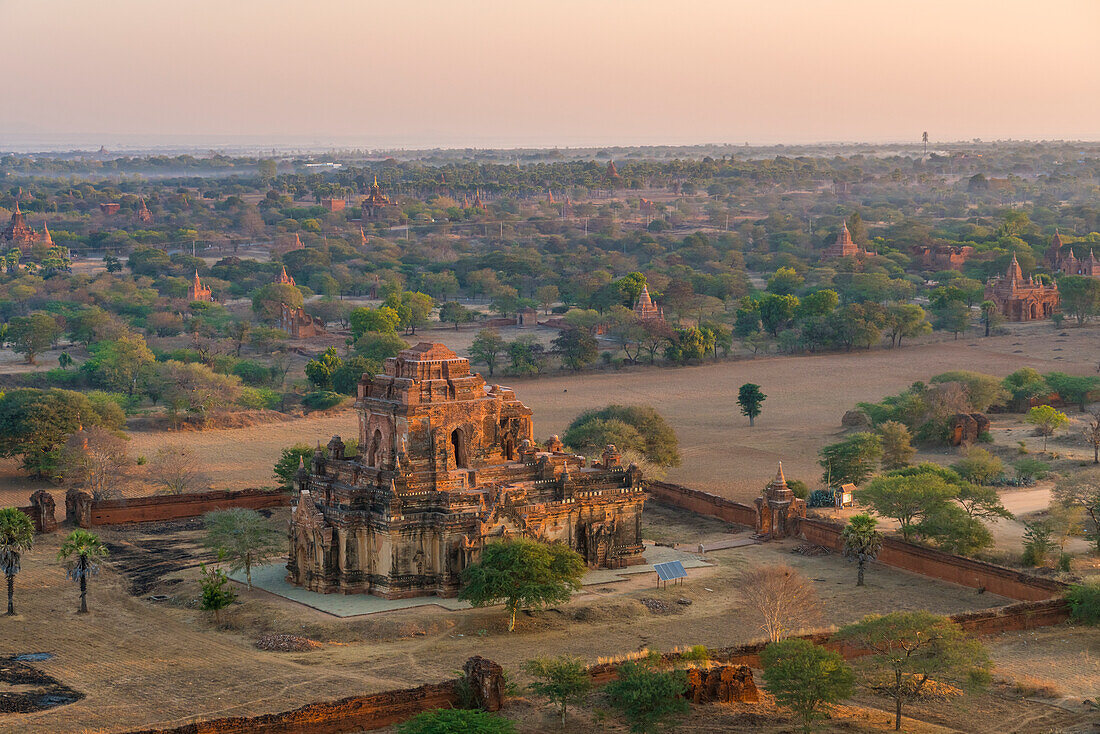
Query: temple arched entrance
x: 374, y: 453
x: 458, y: 448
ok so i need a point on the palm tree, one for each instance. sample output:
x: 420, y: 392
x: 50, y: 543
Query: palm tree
x: 16, y: 537
x: 862, y: 541
x: 81, y: 551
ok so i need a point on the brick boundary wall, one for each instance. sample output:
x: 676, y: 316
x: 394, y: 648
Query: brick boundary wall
x: 929, y: 562
x: 364, y: 713
x: 1024, y: 615
x: 179, y: 506
x: 944, y: 566
x: 356, y: 713
x: 702, y: 503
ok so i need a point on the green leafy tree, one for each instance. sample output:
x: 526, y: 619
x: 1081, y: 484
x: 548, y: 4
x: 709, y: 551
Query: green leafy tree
x: 776, y: 312
x: 522, y: 573
x: 897, y: 451
x: 415, y: 309
x: 345, y: 378
x: 217, y: 594
x: 383, y: 320
x: 32, y: 335
x: 591, y: 436
x: 1080, y: 296
x: 577, y: 348
x: 952, y: 316
x: 487, y: 348
x: 981, y: 502
x: 122, y: 364
x: 852, y: 460
x: 547, y: 296
x: 290, y: 459
x: 979, y: 466
x: 1046, y: 420
x: 456, y: 721
x: 453, y: 312
x: 953, y: 529
x: 267, y: 300
x: 525, y: 356
x: 907, y: 499
x: 243, y: 537
x: 378, y: 347
x: 1037, y: 543
x: 907, y: 650
x: 1073, y: 389
x: 64, y: 361
x: 647, y: 698
x: 16, y: 538
x: 320, y: 369
x: 36, y: 422
x: 81, y: 552
x: 1024, y: 385
x: 785, y: 282
x: 1084, y: 601
x: 563, y: 680
x: 862, y: 541
x: 906, y: 321
x: 806, y: 678
x: 751, y: 399
x: 594, y: 429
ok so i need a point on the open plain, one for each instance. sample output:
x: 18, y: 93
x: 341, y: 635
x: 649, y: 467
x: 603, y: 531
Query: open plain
x: 143, y: 662
x: 807, y: 395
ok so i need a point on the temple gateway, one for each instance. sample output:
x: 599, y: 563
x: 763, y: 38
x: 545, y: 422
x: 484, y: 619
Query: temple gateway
x: 446, y: 464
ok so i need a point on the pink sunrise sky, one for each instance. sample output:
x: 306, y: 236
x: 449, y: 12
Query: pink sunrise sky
x: 566, y: 72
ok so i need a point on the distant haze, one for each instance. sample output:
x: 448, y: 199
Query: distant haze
x: 418, y: 73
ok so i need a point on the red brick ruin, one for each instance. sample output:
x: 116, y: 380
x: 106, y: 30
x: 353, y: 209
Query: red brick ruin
x: 447, y: 464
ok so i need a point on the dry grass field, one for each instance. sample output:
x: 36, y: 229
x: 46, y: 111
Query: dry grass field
x: 143, y: 662
x: 807, y: 395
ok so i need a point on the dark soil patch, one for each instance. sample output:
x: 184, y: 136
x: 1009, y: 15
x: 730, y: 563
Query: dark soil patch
x: 24, y: 689
x: 147, y: 552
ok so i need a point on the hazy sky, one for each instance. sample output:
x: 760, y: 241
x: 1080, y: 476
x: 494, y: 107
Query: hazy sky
x: 559, y: 72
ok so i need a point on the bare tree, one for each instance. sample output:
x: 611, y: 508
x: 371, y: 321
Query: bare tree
x: 1092, y: 436
x: 176, y: 470
x: 1082, y: 489
x: 95, y: 459
x: 781, y: 600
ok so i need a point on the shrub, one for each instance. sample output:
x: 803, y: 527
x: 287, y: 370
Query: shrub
x: 259, y: 398
x: 798, y: 488
x: 322, y: 399
x: 456, y: 721
x: 287, y: 465
x: 1030, y: 469
x: 822, y: 498
x: 654, y: 437
x: 645, y: 697
x: 1084, y: 601
x: 806, y: 678
x: 979, y: 466
x: 252, y: 372
x: 563, y: 680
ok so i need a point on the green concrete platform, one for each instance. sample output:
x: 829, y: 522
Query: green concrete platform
x: 272, y: 579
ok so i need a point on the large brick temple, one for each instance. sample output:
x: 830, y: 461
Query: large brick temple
x: 446, y: 464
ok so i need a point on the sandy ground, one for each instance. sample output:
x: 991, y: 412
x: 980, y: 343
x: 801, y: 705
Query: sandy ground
x: 142, y: 662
